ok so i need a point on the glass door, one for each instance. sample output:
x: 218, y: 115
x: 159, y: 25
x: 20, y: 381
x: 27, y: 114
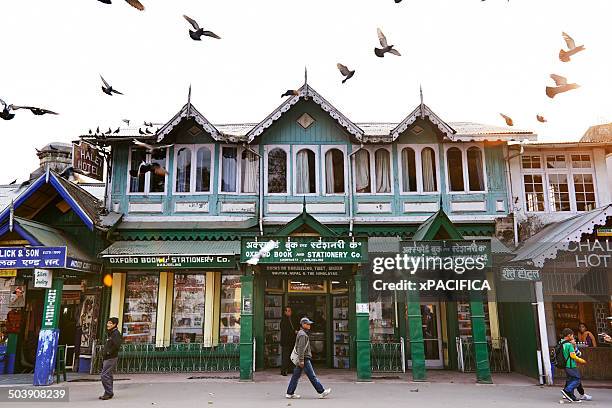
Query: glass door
x: 432, y: 337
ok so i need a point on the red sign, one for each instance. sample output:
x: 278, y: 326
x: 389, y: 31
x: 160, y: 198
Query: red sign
x: 88, y: 160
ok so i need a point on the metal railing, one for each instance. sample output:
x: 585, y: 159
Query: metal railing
x: 180, y: 357
x: 388, y: 357
x: 499, y: 359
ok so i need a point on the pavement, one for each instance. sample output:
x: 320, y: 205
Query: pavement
x: 219, y: 390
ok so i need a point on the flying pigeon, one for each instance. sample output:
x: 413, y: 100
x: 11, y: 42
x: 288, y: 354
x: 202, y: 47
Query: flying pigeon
x: 562, y: 86
x: 199, y: 32
x: 150, y: 148
x: 107, y: 89
x: 565, y: 56
x: 146, y: 167
x: 380, y: 52
x: 134, y: 3
x: 290, y: 92
x: 7, y: 115
x: 263, y: 251
x: 541, y: 118
x: 508, y: 119
x: 347, y: 73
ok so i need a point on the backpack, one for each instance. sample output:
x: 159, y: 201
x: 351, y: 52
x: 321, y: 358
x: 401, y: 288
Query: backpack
x: 557, y: 356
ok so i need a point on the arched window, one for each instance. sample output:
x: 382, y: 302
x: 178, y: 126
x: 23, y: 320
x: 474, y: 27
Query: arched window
x: 334, y: 171
x: 305, y: 173
x: 249, y: 172
x: 409, y: 178
x: 183, y: 170
x: 229, y: 168
x: 362, y: 171
x: 382, y: 165
x: 277, y: 171
x: 203, y: 167
x: 428, y: 167
x: 475, y: 169
x: 455, y: 169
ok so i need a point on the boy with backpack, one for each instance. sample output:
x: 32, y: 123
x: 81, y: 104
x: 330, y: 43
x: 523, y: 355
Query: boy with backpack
x: 566, y: 358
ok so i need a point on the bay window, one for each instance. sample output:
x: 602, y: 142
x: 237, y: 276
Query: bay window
x: 277, y: 171
x: 229, y: 166
x: 239, y: 170
x: 418, y: 169
x: 149, y: 182
x: 428, y: 168
x: 466, y: 169
x: 183, y: 170
x: 409, y: 177
x: 334, y: 171
x: 362, y: 171
x: 454, y: 162
x: 192, y: 168
x: 249, y: 172
x: 382, y: 164
x: 305, y: 172
x: 203, y: 169
x: 475, y: 169
x: 373, y: 176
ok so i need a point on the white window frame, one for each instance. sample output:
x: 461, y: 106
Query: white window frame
x: 324, y: 150
x: 464, y: 162
x: 147, y: 185
x: 315, y: 149
x: 418, y: 150
x: 372, y: 151
x: 239, y: 150
x: 267, y: 150
x: 192, y: 179
x: 569, y: 171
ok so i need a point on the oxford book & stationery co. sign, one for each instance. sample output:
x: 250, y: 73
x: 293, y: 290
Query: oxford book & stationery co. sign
x: 170, y: 261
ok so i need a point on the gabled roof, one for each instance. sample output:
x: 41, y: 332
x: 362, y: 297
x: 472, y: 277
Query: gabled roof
x: 305, y: 92
x: 186, y: 112
x: 86, y: 206
x: 305, y: 220
x: 556, y: 236
x: 422, y: 111
x: 434, y: 225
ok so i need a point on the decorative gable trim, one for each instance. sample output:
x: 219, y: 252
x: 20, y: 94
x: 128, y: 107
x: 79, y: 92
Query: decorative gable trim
x: 189, y: 111
x: 420, y: 112
x: 437, y: 222
x: 306, y: 92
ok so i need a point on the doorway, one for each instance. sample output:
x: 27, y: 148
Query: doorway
x: 315, y: 308
x: 432, y: 335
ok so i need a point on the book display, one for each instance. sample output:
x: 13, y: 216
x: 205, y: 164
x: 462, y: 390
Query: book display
x: 464, y: 318
x: 140, y: 308
x: 382, y: 319
x: 188, y: 308
x: 341, y: 331
x: 273, y: 309
x: 229, y: 330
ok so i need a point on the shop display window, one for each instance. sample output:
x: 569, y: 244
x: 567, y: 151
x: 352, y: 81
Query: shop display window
x: 273, y: 311
x: 311, y: 286
x: 188, y: 308
x: 341, y: 337
x: 229, y: 329
x: 464, y: 317
x: 140, y: 307
x: 382, y: 317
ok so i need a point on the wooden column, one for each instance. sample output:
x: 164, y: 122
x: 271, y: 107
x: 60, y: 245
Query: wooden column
x: 246, y: 328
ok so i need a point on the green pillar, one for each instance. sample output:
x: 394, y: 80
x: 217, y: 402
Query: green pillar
x: 479, y: 334
x: 364, y: 363
x: 104, y: 314
x: 417, y: 344
x: 246, y: 328
x: 452, y: 330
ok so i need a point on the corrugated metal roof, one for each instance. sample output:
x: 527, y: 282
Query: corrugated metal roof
x: 127, y: 248
x: 598, y: 133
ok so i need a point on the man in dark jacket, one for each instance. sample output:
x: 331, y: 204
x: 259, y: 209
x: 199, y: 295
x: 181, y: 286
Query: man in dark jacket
x: 109, y: 357
x: 288, y: 332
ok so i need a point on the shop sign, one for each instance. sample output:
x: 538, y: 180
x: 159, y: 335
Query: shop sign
x: 307, y: 271
x: 77, y: 264
x: 8, y: 273
x: 171, y: 261
x: 604, y: 232
x: 311, y: 250
x: 88, y: 159
x: 518, y: 273
x: 448, y: 249
x: 53, y: 299
x: 32, y: 257
x: 362, y: 308
x: 42, y: 278
x: 247, y: 305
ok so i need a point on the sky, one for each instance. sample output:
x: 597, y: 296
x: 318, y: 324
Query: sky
x: 473, y: 59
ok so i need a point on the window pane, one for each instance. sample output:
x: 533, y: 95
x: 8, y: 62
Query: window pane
x: 229, y: 329
x: 558, y: 192
x: 531, y: 162
x: 137, y: 181
x: 334, y: 171
x: 428, y: 166
x: 229, y: 164
x: 585, y: 192
x: 555, y: 162
x: 183, y: 170
x: 408, y: 170
x: 305, y: 177
x: 382, y: 317
x: 362, y: 171
x: 203, y: 166
x: 158, y: 176
x: 249, y: 172
x: 455, y: 169
x: 188, y: 308
x: 140, y: 307
x: 277, y: 171
x: 382, y: 166
x: 581, y: 161
x: 475, y: 169
x: 534, y: 195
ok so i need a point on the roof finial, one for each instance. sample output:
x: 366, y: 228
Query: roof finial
x: 304, y: 205
x: 11, y: 215
x: 189, y: 102
x: 305, y: 82
x: 421, y: 95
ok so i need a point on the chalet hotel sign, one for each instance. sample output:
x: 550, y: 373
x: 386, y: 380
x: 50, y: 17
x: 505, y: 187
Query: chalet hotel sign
x: 311, y: 250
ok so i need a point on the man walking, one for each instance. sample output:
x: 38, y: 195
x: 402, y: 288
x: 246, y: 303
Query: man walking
x: 571, y: 371
x: 302, y: 358
x: 109, y: 357
x: 287, y: 340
